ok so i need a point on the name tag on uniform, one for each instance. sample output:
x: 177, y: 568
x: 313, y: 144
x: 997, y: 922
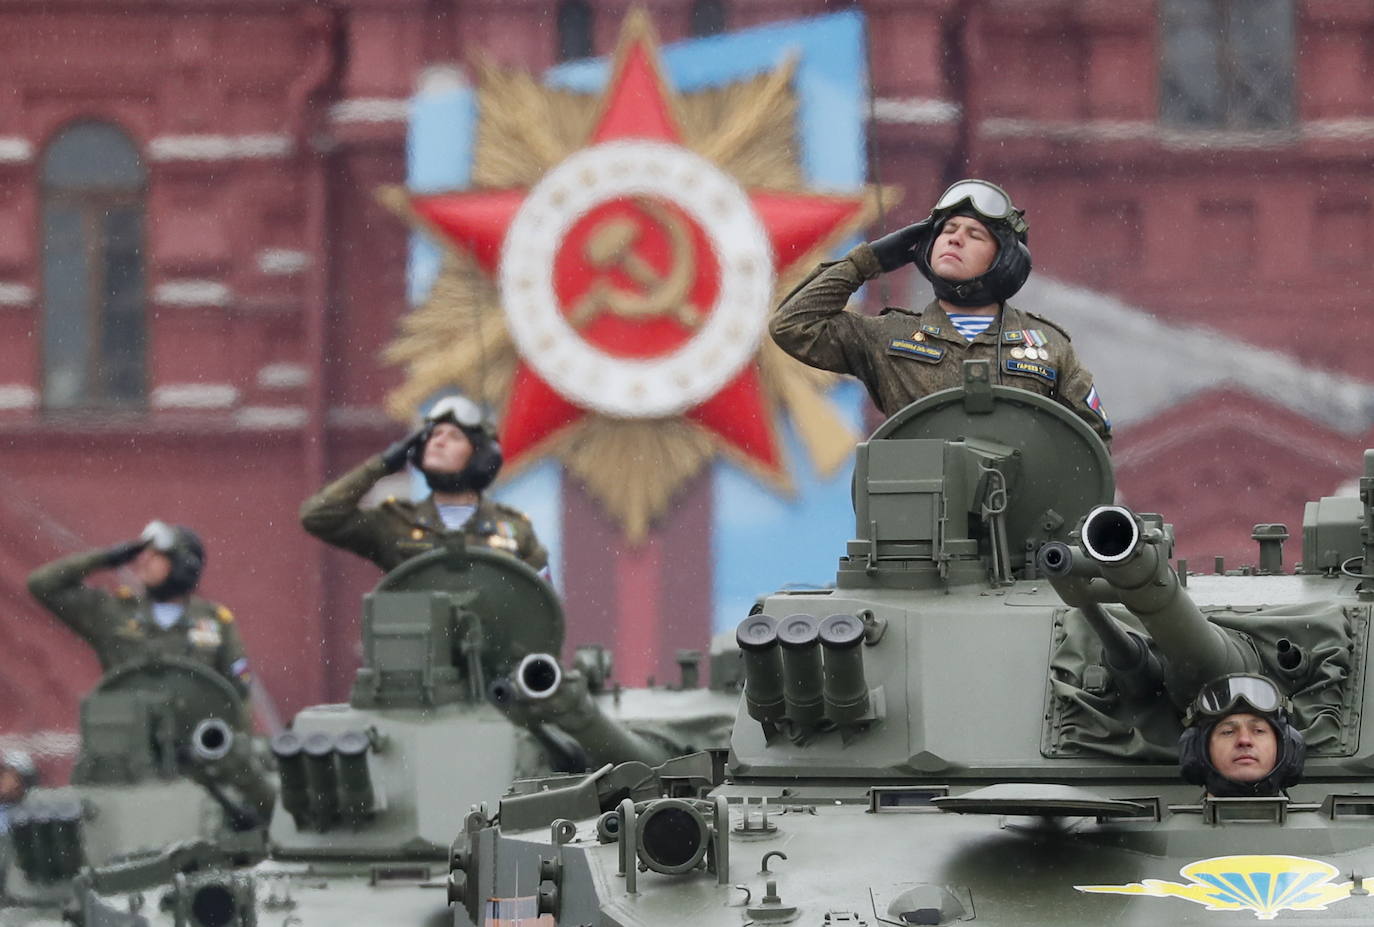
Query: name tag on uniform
x: 1030, y: 368
x: 917, y: 349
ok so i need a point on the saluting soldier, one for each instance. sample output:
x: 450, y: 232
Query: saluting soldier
x: 166, y: 619
x: 972, y: 248
x: 457, y: 452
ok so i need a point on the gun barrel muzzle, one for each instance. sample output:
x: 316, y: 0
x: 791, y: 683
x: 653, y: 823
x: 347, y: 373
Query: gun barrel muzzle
x: 211, y: 740
x: 537, y: 676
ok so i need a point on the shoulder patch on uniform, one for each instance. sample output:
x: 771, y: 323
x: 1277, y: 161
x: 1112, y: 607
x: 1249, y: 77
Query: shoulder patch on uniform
x: 1094, y: 402
x: 124, y: 592
x: 1059, y: 329
x: 224, y: 615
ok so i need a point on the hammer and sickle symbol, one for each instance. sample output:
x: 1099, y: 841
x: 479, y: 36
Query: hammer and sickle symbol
x: 611, y: 246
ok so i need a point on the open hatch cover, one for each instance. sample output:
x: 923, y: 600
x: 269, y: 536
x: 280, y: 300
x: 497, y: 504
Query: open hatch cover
x: 1040, y: 799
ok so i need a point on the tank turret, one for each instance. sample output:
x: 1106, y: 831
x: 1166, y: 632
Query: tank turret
x: 981, y: 721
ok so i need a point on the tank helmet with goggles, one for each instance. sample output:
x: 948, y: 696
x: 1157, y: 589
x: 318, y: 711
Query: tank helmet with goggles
x: 460, y: 410
x: 1240, y: 693
x: 484, y: 463
x: 184, y: 549
x: 992, y: 206
x: 988, y: 200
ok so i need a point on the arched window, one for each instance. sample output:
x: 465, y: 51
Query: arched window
x: 94, y: 187
x: 575, y: 22
x: 1227, y: 64
x: 708, y: 17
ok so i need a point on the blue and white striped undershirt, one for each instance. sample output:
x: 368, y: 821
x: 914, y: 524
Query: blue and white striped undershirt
x: 971, y: 326
x: 166, y: 614
x: 455, y: 516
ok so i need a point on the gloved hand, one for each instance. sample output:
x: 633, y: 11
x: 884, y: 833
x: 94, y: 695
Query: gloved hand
x: 895, y: 248
x: 394, y: 457
x: 120, y: 554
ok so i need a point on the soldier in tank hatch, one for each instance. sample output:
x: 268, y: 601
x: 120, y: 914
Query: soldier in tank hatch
x: 972, y: 248
x: 163, y: 619
x: 1240, y: 739
x: 457, y: 452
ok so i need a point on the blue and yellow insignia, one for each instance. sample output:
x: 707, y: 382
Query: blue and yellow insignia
x: 917, y: 349
x: 931, y: 329
x: 1043, y: 371
x: 1265, y: 885
x: 1013, y: 337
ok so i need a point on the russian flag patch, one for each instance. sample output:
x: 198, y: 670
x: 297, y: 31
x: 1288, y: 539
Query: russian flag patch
x: 1094, y: 402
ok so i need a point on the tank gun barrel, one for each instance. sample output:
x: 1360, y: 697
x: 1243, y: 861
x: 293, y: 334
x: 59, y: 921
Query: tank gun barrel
x: 540, y: 692
x: 1133, y: 562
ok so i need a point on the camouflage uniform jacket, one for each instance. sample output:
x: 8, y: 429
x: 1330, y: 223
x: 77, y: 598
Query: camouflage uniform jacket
x: 120, y: 627
x: 902, y: 356
x: 397, y: 530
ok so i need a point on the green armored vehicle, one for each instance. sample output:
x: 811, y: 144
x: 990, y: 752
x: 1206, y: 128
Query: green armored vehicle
x: 157, y: 743
x: 980, y: 722
x: 459, y: 695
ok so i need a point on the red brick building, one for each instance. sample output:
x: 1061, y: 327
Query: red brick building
x: 196, y: 279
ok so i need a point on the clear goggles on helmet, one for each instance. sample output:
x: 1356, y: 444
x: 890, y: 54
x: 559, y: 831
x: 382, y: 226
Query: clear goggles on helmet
x: 462, y: 410
x: 1240, y: 692
x: 160, y: 536
x: 987, y: 199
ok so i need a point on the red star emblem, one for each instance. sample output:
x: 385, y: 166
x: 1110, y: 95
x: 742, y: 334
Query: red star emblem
x: 617, y: 273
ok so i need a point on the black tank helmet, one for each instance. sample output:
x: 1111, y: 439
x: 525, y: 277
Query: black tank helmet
x: 992, y: 206
x: 184, y: 549
x: 1248, y: 694
x: 480, y: 431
